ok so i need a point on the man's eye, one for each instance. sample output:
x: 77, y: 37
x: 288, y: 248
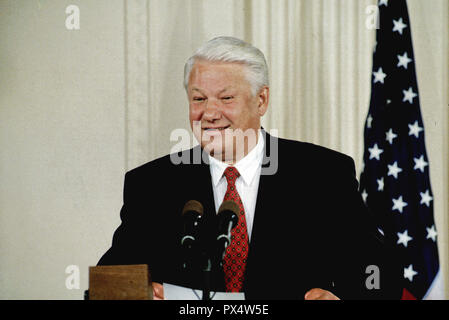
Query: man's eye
x: 198, y: 99
x: 228, y: 98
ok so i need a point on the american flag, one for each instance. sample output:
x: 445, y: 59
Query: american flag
x: 395, y: 181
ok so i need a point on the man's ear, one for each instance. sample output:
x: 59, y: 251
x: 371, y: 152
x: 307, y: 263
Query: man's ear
x: 264, y: 97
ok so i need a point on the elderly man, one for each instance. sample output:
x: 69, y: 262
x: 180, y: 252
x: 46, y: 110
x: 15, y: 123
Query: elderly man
x: 303, y: 231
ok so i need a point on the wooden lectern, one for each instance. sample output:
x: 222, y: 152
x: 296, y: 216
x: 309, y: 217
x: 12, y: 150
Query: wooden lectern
x: 120, y: 282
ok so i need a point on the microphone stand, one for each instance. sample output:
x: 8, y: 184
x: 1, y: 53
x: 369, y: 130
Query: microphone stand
x: 216, y: 257
x: 211, y: 256
x: 208, y: 266
x: 206, y: 280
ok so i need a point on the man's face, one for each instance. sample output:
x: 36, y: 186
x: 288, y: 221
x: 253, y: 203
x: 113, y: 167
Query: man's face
x: 221, y: 103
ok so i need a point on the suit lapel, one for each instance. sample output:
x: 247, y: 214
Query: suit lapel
x: 265, y: 192
x: 201, y: 181
x: 266, y: 201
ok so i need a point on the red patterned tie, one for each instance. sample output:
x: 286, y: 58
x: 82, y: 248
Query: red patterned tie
x: 234, y: 262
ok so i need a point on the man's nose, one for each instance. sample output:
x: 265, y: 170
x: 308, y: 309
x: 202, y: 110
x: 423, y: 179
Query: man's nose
x: 212, y: 111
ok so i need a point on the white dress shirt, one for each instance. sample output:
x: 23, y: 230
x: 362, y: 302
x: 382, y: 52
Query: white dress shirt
x: 247, y: 184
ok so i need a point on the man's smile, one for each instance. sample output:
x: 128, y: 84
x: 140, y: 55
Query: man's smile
x: 215, y: 129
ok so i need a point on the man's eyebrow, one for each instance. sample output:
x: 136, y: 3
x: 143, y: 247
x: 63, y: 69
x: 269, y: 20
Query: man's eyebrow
x: 221, y: 91
x: 196, y: 89
x: 227, y: 88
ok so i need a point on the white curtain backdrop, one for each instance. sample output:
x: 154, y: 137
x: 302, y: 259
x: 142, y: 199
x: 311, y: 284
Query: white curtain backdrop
x: 319, y: 53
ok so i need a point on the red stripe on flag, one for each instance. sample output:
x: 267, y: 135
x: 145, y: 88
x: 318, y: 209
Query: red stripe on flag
x: 406, y: 295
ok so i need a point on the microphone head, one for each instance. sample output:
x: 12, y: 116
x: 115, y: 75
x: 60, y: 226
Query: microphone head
x: 229, y: 211
x: 230, y: 206
x: 193, y: 206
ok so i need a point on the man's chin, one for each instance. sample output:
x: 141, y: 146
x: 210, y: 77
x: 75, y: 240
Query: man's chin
x: 218, y: 152
x: 213, y: 149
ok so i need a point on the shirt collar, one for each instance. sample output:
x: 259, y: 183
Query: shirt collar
x: 247, y: 166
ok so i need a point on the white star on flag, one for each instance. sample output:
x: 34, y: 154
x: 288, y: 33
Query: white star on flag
x: 425, y: 198
x: 393, y: 170
x: 409, y: 273
x: 379, y: 76
x: 383, y: 2
x: 431, y: 233
x: 369, y: 121
x: 404, y: 60
x: 380, y: 184
x: 415, y: 129
x: 420, y: 163
x: 399, y: 25
x: 404, y: 238
x: 390, y: 136
x: 364, y: 195
x: 399, y: 204
x: 409, y: 95
x: 375, y: 152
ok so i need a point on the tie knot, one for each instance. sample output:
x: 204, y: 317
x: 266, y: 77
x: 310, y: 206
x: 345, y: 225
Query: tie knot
x: 231, y: 174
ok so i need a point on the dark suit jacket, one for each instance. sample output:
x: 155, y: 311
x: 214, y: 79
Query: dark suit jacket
x: 311, y: 228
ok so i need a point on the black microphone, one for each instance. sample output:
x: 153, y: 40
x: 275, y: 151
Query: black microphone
x: 227, y: 220
x: 191, y: 215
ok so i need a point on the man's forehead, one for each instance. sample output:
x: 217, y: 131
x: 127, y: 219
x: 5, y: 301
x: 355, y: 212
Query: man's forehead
x: 222, y: 76
x: 217, y: 69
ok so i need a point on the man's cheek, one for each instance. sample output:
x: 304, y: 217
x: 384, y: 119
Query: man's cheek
x: 194, y: 117
x: 195, y: 112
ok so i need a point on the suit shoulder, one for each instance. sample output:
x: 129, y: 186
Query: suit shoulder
x: 314, y: 153
x: 167, y: 164
x: 148, y: 167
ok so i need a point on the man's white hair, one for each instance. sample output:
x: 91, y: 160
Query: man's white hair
x: 233, y: 50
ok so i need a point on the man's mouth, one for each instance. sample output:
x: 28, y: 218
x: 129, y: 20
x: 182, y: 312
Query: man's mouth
x: 216, y: 128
